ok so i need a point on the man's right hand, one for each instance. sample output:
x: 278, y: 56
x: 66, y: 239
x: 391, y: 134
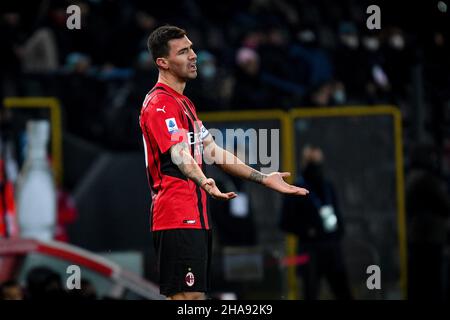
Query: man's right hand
x: 209, y: 185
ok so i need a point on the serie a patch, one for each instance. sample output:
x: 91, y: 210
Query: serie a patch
x: 171, y: 125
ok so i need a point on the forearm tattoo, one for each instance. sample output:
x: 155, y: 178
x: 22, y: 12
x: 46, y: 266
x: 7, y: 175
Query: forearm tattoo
x: 187, y: 165
x: 256, y: 176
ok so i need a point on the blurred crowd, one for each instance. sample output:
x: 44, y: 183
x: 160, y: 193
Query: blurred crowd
x: 252, y: 54
x: 44, y: 283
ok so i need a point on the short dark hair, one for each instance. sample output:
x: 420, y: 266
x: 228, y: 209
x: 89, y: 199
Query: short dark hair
x: 158, y: 41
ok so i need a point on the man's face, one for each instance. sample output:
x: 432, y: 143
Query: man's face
x: 312, y: 155
x: 182, y: 60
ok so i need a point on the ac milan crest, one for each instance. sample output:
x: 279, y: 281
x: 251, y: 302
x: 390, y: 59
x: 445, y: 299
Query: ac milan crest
x: 190, y: 279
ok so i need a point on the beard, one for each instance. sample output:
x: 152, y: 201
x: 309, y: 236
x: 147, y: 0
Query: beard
x: 191, y: 74
x: 185, y: 75
x: 185, y: 72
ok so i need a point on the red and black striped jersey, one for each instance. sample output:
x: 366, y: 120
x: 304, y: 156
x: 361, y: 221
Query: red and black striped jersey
x: 168, y: 118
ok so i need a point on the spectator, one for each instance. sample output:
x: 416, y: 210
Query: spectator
x: 318, y: 223
x: 428, y: 211
x: 249, y: 91
x: 43, y: 283
x: 210, y: 91
x: 347, y: 55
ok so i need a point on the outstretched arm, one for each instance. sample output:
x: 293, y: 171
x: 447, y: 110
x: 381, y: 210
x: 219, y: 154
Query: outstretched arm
x: 182, y: 158
x: 234, y: 166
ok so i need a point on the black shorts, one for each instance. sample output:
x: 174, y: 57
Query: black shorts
x: 183, y: 260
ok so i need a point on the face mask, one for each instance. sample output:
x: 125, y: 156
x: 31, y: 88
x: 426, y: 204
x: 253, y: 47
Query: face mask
x: 371, y: 44
x: 314, y: 173
x: 307, y: 37
x: 208, y: 71
x: 350, y: 41
x: 339, y: 96
x: 397, y: 42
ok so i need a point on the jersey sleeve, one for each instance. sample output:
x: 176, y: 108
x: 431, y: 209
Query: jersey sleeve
x: 166, y: 122
x: 203, y: 131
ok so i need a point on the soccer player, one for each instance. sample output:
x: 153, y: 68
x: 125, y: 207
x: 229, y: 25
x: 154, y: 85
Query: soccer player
x: 175, y: 142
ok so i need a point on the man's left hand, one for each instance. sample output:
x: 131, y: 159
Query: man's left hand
x: 276, y: 182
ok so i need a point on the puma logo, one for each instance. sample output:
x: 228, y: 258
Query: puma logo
x: 161, y: 109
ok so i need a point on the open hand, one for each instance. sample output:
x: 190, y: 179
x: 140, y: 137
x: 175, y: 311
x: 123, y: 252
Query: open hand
x: 209, y: 185
x: 276, y: 182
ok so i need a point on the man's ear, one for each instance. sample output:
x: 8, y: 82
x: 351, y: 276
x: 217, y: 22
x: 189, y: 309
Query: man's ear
x: 162, y: 63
